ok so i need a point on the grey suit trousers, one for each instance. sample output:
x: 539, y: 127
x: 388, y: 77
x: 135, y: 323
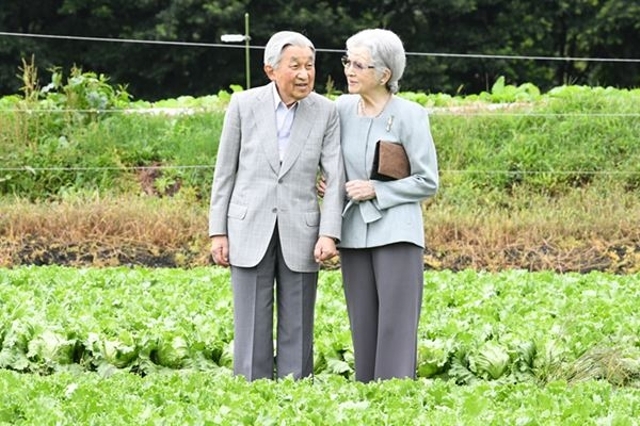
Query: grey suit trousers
x: 253, y: 299
x: 383, y: 288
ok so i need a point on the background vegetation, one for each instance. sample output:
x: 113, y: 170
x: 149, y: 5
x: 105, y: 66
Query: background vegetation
x: 554, y: 37
x: 153, y: 346
x: 530, y: 179
x: 110, y: 170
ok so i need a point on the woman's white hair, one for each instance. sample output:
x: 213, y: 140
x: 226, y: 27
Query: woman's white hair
x: 280, y: 40
x: 386, y: 51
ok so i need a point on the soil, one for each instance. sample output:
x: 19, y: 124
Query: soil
x: 622, y: 257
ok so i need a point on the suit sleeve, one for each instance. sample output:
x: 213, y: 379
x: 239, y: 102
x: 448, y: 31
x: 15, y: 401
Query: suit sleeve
x: 225, y: 169
x: 333, y: 170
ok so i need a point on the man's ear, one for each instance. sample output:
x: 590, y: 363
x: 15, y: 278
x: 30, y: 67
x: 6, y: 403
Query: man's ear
x: 268, y: 70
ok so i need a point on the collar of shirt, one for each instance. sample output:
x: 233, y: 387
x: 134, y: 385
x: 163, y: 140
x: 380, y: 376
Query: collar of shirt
x: 277, y: 100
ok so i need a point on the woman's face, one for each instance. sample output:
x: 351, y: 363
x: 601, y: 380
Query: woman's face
x: 359, y: 71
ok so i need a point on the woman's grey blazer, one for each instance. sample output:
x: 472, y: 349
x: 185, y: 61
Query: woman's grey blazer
x: 395, y: 215
x: 252, y: 190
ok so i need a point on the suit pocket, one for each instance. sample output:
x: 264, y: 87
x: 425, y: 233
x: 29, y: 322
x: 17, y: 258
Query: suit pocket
x: 236, y: 211
x: 312, y: 219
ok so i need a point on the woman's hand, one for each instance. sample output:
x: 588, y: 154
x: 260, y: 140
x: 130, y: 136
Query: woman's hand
x: 360, y: 190
x: 321, y: 186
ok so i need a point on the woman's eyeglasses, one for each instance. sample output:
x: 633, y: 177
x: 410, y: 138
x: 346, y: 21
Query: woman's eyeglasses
x: 355, y: 64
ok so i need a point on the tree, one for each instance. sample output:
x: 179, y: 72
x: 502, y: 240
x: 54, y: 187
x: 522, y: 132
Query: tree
x: 437, y: 35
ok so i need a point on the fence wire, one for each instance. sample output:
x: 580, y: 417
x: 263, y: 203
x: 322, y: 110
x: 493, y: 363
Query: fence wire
x: 434, y: 111
x: 250, y: 46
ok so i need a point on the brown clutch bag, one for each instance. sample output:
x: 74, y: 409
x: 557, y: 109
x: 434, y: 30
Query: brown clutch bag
x: 390, y: 161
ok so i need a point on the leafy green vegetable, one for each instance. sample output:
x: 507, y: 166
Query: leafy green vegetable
x: 434, y: 356
x: 119, y: 353
x: 490, y: 361
x: 50, y: 347
x: 173, y: 352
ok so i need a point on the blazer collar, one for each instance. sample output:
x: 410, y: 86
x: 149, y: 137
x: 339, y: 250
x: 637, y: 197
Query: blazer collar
x: 265, y: 120
x: 265, y: 117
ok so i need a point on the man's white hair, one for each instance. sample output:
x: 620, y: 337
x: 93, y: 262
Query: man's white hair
x: 280, y: 40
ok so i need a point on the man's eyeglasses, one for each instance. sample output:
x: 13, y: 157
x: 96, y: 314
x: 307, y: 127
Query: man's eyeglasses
x: 355, y: 64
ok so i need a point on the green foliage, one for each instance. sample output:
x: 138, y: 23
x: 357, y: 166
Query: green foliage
x: 509, y: 327
x: 572, y: 137
x: 501, y: 92
x: 87, y: 134
x: 196, y: 398
x: 512, y: 138
x: 505, y: 348
x: 518, y: 29
x: 86, y: 93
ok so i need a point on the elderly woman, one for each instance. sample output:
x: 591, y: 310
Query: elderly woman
x: 382, y: 243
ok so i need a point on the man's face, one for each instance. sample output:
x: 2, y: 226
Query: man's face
x: 295, y: 74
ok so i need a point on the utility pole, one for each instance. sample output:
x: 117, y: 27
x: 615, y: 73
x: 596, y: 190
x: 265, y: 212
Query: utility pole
x: 237, y: 38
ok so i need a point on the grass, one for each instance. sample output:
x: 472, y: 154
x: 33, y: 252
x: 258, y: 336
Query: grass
x: 550, y: 182
x: 576, y: 232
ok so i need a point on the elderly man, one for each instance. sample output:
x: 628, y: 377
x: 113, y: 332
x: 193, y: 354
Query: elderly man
x: 265, y: 219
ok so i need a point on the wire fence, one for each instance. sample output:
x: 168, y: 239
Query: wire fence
x: 453, y: 111
x: 33, y: 170
x: 250, y: 46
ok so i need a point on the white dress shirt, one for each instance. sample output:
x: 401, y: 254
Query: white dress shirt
x: 284, y: 121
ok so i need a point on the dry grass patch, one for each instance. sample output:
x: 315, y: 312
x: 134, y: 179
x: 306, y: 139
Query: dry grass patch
x: 103, y: 231
x: 578, y: 232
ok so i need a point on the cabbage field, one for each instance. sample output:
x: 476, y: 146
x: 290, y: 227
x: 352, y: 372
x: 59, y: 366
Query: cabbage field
x: 138, y: 346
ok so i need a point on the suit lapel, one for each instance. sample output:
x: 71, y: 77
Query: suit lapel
x: 265, y: 119
x: 302, y: 124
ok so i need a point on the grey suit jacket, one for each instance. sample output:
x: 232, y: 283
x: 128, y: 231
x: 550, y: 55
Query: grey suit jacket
x: 251, y: 190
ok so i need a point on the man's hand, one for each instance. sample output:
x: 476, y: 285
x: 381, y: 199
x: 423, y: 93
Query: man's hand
x: 220, y: 250
x: 325, y: 249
